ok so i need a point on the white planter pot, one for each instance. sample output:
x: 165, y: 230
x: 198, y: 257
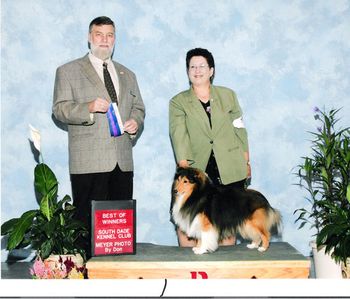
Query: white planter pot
x: 325, y: 266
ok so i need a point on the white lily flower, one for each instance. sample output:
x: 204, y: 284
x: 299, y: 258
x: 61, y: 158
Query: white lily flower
x: 35, y: 135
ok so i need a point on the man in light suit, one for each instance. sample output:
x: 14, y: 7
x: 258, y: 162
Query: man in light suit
x: 101, y: 165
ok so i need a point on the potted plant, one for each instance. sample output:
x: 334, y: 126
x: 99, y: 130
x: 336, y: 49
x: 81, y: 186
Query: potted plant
x: 50, y: 229
x: 325, y: 176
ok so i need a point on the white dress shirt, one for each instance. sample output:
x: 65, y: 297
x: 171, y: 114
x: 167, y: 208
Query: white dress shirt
x: 97, y: 63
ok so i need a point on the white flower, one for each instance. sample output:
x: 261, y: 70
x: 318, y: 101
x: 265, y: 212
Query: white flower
x: 35, y: 135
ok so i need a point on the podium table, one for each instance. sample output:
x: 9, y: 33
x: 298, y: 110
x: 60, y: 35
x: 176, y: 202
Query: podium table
x: 281, y: 260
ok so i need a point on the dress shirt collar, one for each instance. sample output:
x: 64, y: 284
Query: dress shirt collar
x: 97, y: 64
x: 97, y: 61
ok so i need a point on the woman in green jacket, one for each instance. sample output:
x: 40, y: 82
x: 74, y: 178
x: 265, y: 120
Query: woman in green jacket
x: 207, y: 129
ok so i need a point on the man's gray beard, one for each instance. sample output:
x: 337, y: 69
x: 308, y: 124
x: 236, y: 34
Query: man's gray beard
x: 103, y: 54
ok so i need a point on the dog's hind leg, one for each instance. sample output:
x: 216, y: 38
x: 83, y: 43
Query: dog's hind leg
x: 265, y: 238
x: 260, y: 219
x: 253, y: 244
x: 260, y: 236
x: 254, y: 235
x: 249, y: 231
x: 271, y: 218
x: 256, y: 230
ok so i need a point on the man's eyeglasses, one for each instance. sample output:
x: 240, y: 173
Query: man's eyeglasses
x: 200, y: 67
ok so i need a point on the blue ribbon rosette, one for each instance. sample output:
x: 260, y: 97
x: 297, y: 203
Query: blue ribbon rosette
x: 116, y: 126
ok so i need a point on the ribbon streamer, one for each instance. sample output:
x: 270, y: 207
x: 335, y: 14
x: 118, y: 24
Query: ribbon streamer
x: 116, y: 126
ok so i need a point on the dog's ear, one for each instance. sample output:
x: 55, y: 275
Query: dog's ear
x: 178, y: 169
x: 202, y: 177
x: 181, y: 170
x: 178, y: 172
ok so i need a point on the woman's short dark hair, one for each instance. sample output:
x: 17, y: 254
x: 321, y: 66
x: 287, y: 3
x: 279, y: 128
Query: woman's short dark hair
x: 101, y: 21
x: 201, y: 52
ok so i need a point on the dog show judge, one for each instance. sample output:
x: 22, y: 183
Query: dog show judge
x: 101, y: 136
x: 207, y: 130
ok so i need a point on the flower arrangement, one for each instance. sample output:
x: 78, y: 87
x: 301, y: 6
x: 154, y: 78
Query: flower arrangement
x: 63, y: 268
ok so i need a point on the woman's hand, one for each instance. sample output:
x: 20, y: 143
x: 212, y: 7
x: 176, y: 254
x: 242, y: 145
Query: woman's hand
x: 249, y: 170
x: 183, y: 163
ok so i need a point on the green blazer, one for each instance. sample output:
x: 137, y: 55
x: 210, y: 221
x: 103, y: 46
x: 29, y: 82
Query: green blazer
x: 193, y: 139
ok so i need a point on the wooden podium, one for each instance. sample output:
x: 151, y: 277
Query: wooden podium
x: 159, y: 262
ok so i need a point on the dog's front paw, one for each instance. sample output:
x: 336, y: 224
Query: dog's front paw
x: 262, y: 249
x: 199, y: 250
x: 252, y: 245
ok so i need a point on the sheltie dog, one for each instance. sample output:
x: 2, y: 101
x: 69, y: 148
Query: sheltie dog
x: 210, y: 214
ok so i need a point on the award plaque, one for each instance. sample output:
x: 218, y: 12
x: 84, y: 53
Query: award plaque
x: 113, y: 227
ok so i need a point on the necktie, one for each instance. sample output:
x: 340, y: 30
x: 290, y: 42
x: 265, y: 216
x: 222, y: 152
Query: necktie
x: 109, y: 84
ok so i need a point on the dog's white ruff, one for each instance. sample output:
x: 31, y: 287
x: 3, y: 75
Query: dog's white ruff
x: 209, y: 239
x: 192, y: 229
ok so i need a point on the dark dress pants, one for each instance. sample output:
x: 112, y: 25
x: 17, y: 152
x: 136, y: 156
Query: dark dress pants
x: 114, y: 185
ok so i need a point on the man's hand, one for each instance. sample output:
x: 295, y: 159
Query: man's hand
x: 131, y: 126
x: 98, y: 105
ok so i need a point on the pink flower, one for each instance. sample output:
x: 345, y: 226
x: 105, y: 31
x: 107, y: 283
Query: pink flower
x: 39, y: 268
x: 59, y: 269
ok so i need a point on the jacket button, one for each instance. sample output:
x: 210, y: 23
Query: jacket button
x: 211, y: 141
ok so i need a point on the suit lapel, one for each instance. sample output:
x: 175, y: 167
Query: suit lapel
x: 218, y: 119
x: 92, y: 75
x: 199, y: 113
x: 122, y: 83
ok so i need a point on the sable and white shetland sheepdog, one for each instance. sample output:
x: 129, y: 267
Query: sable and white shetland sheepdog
x: 209, y: 214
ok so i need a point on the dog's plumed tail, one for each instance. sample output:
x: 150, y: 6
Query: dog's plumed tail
x: 274, y: 221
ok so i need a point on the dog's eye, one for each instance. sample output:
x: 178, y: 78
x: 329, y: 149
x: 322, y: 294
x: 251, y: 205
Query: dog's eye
x: 185, y: 181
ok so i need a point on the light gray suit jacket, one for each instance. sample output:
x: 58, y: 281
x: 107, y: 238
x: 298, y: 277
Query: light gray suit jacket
x: 91, y: 147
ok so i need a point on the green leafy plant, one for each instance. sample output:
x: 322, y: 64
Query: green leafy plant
x: 325, y: 176
x: 50, y: 229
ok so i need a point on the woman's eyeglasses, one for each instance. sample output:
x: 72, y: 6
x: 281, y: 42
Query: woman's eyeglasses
x: 200, y: 67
